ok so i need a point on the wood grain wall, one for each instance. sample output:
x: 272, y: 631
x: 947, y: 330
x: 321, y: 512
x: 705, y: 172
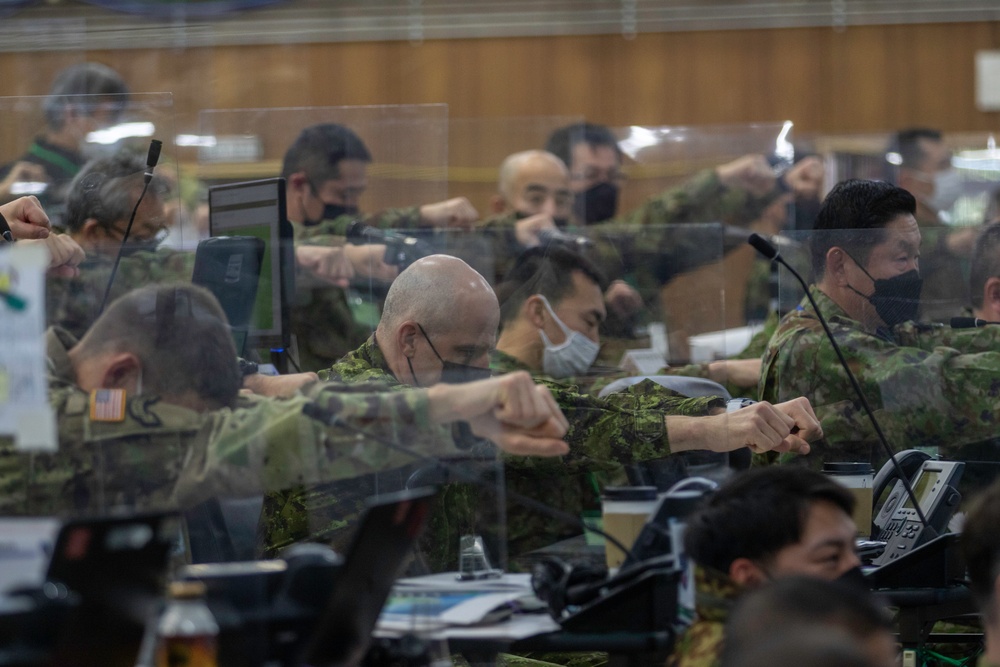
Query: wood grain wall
x: 862, y: 79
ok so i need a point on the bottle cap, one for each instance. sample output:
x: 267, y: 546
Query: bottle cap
x: 186, y: 590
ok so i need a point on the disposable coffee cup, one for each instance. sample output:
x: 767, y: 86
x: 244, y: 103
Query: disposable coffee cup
x: 859, y: 478
x: 625, y: 510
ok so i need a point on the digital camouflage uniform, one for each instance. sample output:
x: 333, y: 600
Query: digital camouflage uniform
x: 321, y: 318
x: 166, y: 456
x: 329, y: 512
x: 931, y: 386
x: 701, y: 643
x: 74, y: 303
x: 605, y: 434
x: 622, y: 244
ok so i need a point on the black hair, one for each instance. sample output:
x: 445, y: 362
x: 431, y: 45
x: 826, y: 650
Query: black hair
x: 907, y: 145
x: 985, y: 262
x: 546, y: 270
x: 319, y: 150
x: 758, y: 513
x: 854, y: 216
x: 562, y: 141
x: 94, y: 79
x: 981, y: 548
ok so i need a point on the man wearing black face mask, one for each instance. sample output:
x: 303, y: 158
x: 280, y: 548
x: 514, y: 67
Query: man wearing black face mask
x: 416, y: 344
x: 326, y: 174
x: 922, y: 380
x: 724, y: 193
x: 534, y: 197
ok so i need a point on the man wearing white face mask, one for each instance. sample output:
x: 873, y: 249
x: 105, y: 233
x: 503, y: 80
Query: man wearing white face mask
x: 925, y: 170
x: 550, y: 312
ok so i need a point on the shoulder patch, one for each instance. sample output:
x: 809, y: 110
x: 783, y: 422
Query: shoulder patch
x: 107, y: 405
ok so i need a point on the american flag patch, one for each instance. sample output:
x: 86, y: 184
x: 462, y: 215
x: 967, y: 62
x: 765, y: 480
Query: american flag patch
x: 107, y: 405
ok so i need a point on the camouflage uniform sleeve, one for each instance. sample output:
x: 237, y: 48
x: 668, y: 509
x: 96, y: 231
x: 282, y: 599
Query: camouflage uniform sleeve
x: 623, y: 427
x: 274, y: 446
x: 395, y: 218
x: 703, y: 198
x: 500, y: 248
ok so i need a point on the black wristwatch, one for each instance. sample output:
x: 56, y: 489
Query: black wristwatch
x: 247, y: 367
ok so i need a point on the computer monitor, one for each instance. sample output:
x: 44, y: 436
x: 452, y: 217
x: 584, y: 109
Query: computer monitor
x: 257, y: 208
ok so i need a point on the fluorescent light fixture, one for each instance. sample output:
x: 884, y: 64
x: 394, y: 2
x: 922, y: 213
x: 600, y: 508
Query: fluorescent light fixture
x: 195, y: 140
x: 115, y: 133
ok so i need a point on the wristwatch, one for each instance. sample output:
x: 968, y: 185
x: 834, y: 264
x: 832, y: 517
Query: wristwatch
x: 734, y: 404
x: 247, y: 367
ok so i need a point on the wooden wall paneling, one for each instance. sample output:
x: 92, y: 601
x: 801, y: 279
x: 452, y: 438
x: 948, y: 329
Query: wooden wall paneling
x: 863, y: 79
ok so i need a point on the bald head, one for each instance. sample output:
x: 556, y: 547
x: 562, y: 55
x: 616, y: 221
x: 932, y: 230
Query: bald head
x: 439, y: 309
x: 534, y: 182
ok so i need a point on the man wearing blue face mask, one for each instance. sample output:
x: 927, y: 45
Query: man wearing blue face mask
x: 930, y: 385
x: 921, y: 165
x: 550, y: 313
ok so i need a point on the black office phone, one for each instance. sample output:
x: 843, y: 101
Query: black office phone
x: 898, y: 525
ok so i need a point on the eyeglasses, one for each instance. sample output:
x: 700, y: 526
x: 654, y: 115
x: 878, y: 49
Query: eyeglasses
x: 155, y: 234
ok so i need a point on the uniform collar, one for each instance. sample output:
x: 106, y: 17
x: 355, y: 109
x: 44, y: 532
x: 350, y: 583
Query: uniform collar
x: 58, y: 343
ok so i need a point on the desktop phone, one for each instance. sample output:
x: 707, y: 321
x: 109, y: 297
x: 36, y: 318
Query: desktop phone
x: 898, y: 524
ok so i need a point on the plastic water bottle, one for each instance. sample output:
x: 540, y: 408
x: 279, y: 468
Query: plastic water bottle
x: 187, y: 632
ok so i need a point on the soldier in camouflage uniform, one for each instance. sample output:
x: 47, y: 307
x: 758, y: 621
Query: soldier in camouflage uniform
x: 931, y: 386
x: 147, y: 420
x: 604, y: 434
x: 98, y: 207
x: 924, y: 169
x: 984, y: 276
x: 84, y: 97
x: 325, y: 171
x: 762, y: 524
x: 534, y: 189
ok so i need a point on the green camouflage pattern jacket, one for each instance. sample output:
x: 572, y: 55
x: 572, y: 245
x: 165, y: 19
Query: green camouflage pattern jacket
x: 701, y: 643
x: 165, y: 456
x: 321, y: 317
x: 605, y: 435
x: 74, y: 303
x: 931, y: 386
x: 634, y: 245
x: 329, y: 512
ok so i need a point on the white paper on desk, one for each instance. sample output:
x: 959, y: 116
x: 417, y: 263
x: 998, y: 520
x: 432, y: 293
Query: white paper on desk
x: 428, y: 610
x: 24, y: 401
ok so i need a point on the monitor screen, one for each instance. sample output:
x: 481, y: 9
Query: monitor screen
x: 257, y: 208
